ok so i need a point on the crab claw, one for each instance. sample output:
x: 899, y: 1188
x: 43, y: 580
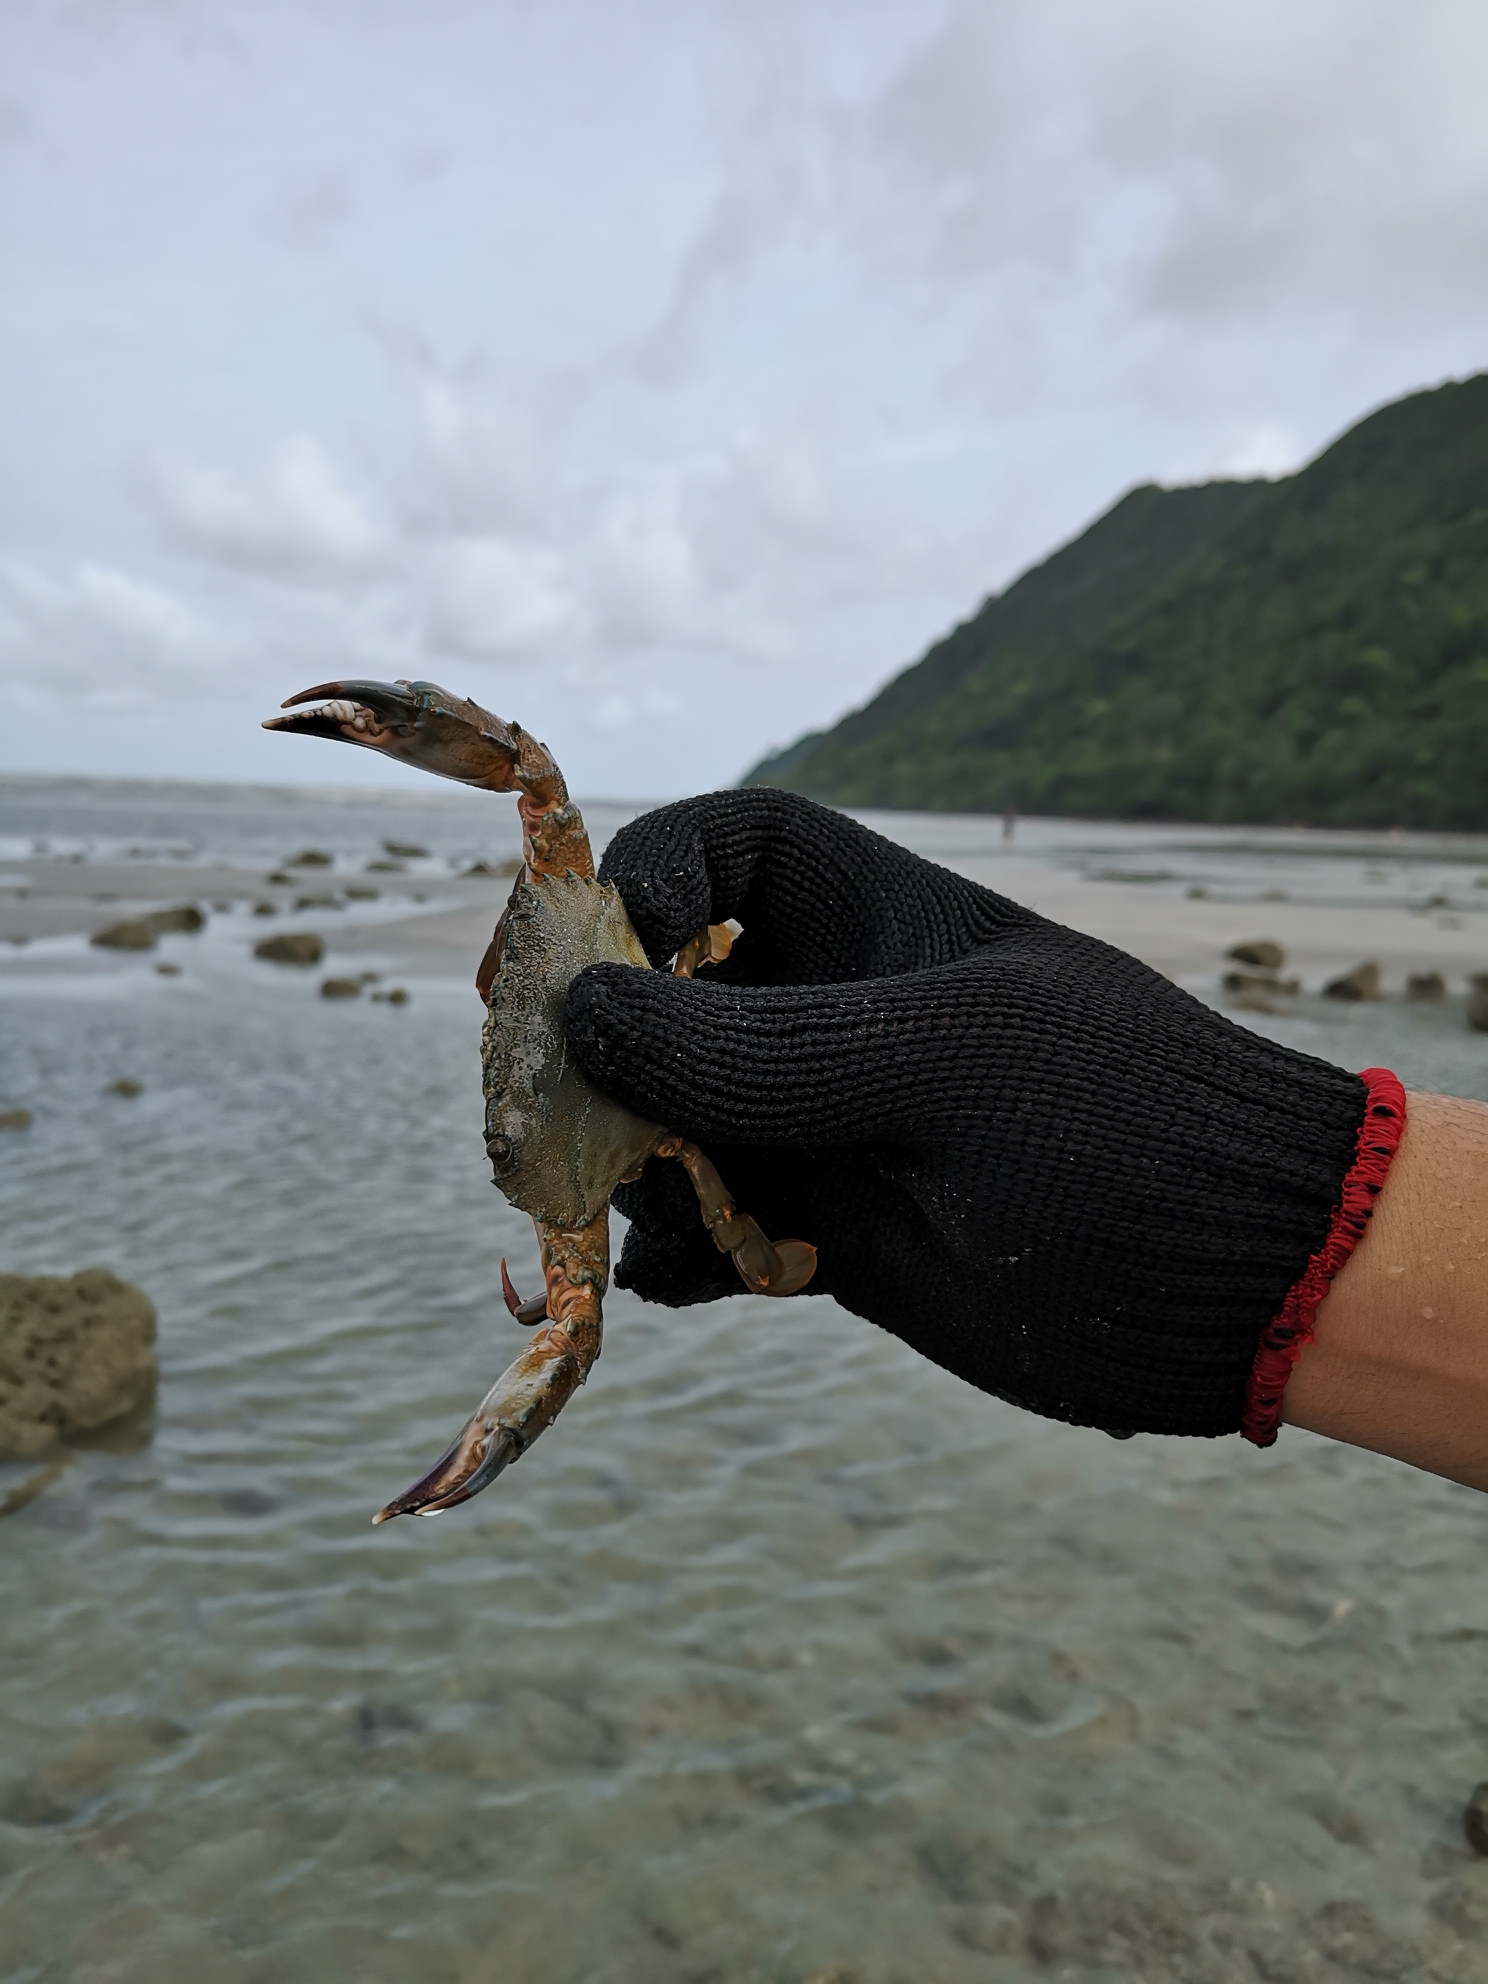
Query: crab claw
x: 523, y: 1402
x: 425, y: 726
x: 471, y: 1461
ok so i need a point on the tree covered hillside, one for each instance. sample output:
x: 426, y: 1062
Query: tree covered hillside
x: 1312, y: 649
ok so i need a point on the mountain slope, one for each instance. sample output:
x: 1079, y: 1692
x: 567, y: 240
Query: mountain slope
x: 1312, y: 649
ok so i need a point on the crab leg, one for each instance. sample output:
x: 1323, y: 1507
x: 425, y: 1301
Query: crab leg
x: 533, y: 1390
x: 766, y: 1267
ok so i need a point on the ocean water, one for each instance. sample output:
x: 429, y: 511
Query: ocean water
x: 783, y: 1656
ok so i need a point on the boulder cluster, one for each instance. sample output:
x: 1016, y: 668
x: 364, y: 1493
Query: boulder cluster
x: 138, y: 933
x: 1254, y: 983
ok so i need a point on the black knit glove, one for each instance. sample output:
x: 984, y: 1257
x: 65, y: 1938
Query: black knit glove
x: 1033, y: 1158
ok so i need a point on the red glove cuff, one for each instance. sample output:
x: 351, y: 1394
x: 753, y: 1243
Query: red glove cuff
x: 1290, y: 1330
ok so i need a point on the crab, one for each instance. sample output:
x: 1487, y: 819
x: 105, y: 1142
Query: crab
x: 557, y: 1146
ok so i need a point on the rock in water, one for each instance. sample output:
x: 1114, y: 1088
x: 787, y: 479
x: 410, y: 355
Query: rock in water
x: 341, y: 988
x: 1263, y: 952
x: 1477, y: 1003
x: 186, y: 916
x: 134, y: 934
x: 1425, y: 985
x: 295, y: 947
x: 1265, y: 983
x: 1475, y: 1819
x: 74, y: 1353
x: 1363, y: 982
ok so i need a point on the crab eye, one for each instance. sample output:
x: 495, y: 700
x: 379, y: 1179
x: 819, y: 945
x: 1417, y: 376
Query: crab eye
x: 499, y: 1150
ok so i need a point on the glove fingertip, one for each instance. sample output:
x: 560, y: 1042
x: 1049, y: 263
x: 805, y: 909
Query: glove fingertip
x: 657, y: 864
x: 603, y: 1012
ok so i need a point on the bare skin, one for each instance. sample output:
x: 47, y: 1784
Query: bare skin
x: 1399, y: 1363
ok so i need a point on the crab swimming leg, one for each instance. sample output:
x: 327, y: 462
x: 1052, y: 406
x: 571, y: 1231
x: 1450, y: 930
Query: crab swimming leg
x: 533, y: 1390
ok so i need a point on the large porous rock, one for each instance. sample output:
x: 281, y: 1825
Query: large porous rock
x: 1363, y: 982
x: 75, y: 1352
x: 294, y: 947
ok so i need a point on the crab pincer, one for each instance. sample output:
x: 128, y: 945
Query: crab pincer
x: 558, y: 1147
x: 535, y: 1387
x: 420, y: 724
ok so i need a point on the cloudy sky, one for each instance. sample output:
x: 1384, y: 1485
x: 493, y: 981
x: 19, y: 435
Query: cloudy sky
x: 668, y: 373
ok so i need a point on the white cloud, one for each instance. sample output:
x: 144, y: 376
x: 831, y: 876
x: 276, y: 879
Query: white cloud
x: 493, y: 600
x: 486, y: 459
x: 1270, y: 448
x: 294, y: 521
x: 641, y: 574
x: 1193, y: 160
x: 101, y: 635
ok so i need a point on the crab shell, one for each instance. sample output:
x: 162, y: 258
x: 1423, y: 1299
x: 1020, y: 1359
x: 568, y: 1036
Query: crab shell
x: 558, y: 1147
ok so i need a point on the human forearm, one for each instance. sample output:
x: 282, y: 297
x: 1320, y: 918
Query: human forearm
x: 1399, y: 1360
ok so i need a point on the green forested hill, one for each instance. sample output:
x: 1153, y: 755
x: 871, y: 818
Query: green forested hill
x: 1313, y: 649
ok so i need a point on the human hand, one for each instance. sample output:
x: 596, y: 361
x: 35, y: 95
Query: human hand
x: 1026, y: 1153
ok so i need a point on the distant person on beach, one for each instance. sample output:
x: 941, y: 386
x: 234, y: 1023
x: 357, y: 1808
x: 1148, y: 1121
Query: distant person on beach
x: 1033, y: 1158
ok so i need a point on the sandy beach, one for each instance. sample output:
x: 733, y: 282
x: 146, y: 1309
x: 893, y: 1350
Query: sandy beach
x: 434, y: 923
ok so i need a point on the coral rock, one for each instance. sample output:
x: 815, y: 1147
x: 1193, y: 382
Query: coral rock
x: 185, y: 916
x: 74, y: 1353
x: 1263, y: 952
x: 135, y: 934
x: 1363, y: 982
x: 295, y: 947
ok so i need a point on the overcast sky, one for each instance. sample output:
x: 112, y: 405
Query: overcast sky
x: 663, y: 373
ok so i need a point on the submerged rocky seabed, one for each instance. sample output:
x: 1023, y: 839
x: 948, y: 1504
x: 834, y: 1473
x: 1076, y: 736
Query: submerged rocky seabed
x: 783, y: 1656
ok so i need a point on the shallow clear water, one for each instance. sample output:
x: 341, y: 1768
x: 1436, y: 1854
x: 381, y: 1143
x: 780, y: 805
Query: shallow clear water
x: 783, y: 1655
